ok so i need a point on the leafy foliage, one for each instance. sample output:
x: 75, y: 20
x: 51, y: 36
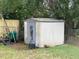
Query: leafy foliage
x: 23, y: 8
x: 65, y: 9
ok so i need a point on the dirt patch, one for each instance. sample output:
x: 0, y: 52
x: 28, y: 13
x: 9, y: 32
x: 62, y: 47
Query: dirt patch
x: 73, y: 40
x: 18, y: 46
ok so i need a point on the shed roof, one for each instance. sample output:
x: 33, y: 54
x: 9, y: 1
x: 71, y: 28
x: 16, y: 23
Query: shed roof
x: 45, y: 20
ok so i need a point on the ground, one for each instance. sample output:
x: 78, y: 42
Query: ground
x: 19, y: 51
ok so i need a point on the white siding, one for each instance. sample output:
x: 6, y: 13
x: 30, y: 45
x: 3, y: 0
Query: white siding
x: 25, y: 33
x: 52, y: 33
x: 38, y: 34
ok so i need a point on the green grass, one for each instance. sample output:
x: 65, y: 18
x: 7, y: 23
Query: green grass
x: 58, y: 52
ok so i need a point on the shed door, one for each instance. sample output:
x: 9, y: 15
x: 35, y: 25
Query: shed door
x: 31, y: 32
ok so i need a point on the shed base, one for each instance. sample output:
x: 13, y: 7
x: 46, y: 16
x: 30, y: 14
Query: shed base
x: 31, y: 46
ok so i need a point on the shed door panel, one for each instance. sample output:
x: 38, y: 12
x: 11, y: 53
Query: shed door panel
x: 31, y: 32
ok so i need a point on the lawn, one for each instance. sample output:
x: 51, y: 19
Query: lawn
x: 58, y: 52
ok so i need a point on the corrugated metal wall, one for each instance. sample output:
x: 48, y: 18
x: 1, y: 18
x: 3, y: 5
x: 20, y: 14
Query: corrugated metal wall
x: 13, y: 25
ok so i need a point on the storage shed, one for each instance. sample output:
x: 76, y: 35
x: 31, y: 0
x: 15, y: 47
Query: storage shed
x: 42, y: 32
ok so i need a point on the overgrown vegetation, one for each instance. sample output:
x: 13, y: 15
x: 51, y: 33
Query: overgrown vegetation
x: 22, y: 9
x: 58, y: 52
x: 65, y: 9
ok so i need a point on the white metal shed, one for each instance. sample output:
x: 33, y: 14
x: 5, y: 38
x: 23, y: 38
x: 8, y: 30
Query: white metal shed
x: 44, y: 32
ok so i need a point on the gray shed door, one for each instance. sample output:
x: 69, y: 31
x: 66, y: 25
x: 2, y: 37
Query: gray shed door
x: 31, y: 28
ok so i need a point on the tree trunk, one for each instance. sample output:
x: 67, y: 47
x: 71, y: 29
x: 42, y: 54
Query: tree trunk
x: 68, y: 30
